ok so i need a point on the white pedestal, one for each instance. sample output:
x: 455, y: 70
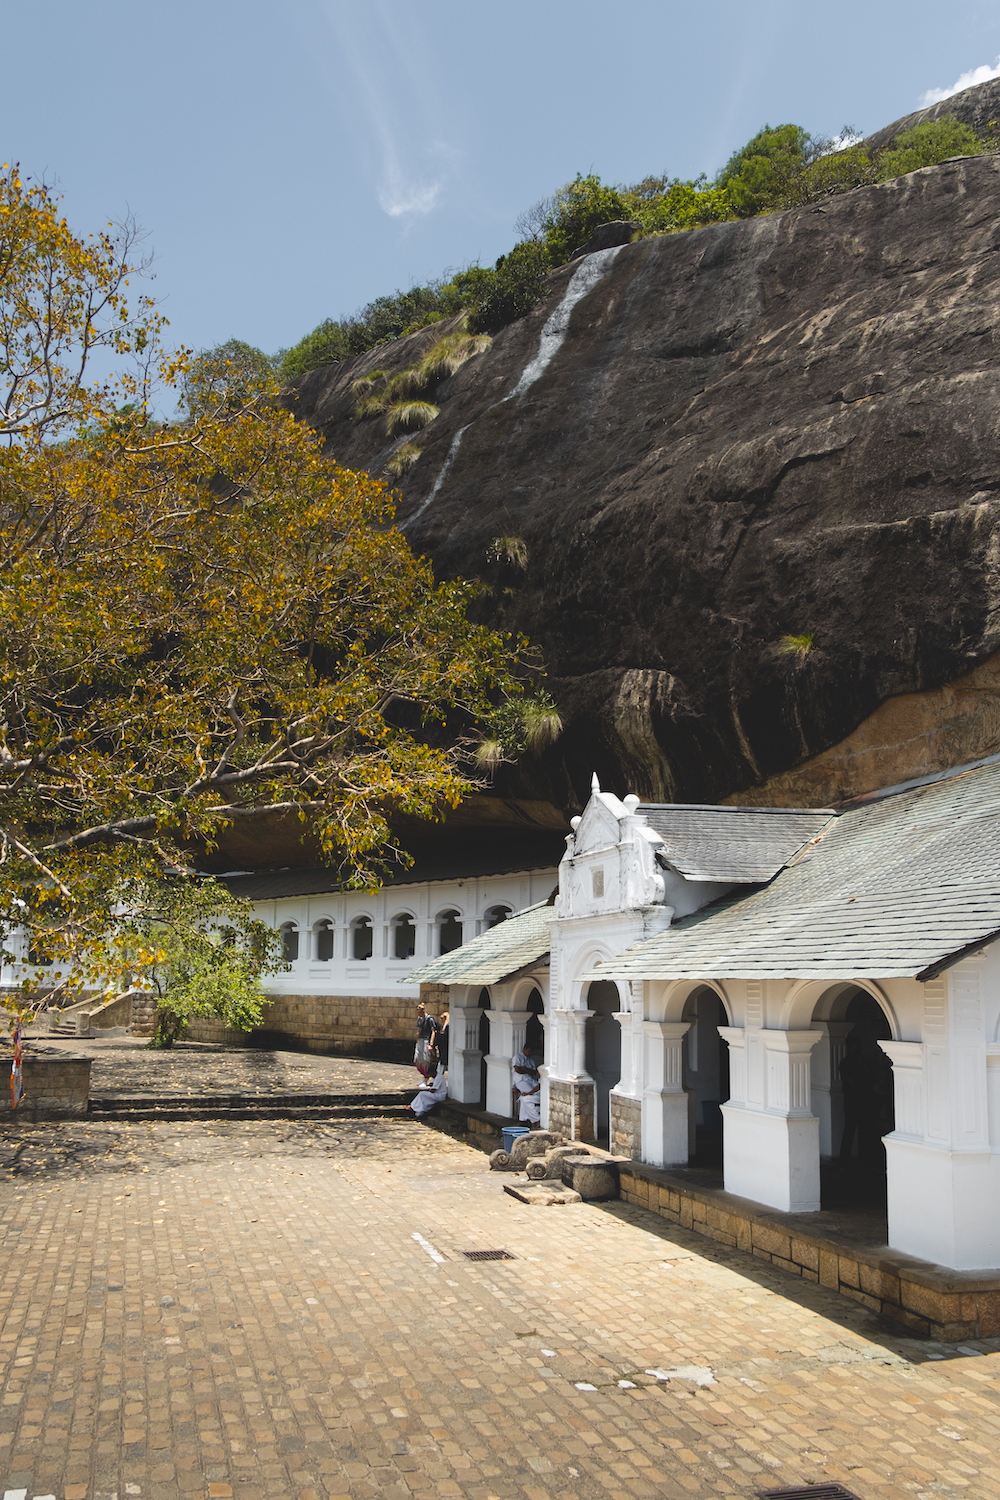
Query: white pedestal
x: 772, y: 1158
x: 944, y: 1206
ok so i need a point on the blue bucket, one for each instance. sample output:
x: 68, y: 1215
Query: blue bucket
x: 510, y: 1135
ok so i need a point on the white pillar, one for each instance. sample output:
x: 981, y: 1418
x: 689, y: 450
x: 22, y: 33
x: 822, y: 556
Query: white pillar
x: 506, y: 1038
x: 771, y: 1150
x: 942, y: 1162
x: 464, y: 1056
x: 827, y: 1092
x: 664, y: 1100
x: 543, y: 1073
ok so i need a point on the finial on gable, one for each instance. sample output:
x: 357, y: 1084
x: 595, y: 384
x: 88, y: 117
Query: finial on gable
x: 595, y: 785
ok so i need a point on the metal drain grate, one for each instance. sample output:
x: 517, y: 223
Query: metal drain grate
x: 488, y: 1255
x: 809, y: 1492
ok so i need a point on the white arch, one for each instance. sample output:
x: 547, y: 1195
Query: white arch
x: 674, y: 996
x: 806, y: 996
x: 586, y: 963
x: 522, y: 992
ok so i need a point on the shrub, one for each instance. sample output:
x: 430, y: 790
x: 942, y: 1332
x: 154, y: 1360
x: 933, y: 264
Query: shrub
x: 681, y: 205
x: 404, y: 458
x: 798, y: 646
x: 409, y: 415
x: 579, y: 208
x: 926, y: 145
x: 326, y: 345
x: 834, y: 172
x: 447, y: 356
x: 759, y: 175
x: 508, y: 549
x: 515, y: 286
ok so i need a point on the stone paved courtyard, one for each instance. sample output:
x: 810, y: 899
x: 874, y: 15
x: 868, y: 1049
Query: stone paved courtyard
x: 284, y: 1309
x: 126, y: 1065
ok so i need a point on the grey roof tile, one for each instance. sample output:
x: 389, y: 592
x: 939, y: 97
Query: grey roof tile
x: 732, y: 844
x: 892, y: 887
x: 491, y: 957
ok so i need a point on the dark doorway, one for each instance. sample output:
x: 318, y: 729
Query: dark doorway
x: 706, y: 1074
x: 855, y: 1177
x: 534, y: 1031
x: 604, y: 1048
x: 484, y: 1043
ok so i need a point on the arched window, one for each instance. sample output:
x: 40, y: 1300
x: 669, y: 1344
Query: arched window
x: 324, y: 942
x: 497, y: 914
x: 450, y: 931
x: 289, y: 942
x: 404, y: 937
x: 361, y: 938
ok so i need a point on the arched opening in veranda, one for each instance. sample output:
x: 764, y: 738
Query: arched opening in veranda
x: 852, y: 1090
x: 604, y: 1048
x: 484, y: 1042
x: 706, y: 1075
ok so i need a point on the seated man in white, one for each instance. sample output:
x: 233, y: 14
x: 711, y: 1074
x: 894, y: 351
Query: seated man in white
x: 431, y: 1092
x: 526, y: 1081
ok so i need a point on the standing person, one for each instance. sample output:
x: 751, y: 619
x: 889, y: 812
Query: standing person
x: 526, y: 1080
x: 442, y: 1039
x: 426, y: 1027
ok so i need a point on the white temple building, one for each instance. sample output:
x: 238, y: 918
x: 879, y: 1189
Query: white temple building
x: 702, y: 965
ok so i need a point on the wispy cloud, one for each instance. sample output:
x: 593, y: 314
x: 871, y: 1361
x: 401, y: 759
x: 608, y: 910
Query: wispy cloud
x: 968, y: 80
x: 393, y: 82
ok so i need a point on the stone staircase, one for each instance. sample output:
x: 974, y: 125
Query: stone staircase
x: 391, y: 1105
x: 64, y: 1029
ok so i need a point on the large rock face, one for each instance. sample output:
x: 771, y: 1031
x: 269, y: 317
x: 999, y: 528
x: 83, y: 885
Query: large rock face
x: 784, y: 427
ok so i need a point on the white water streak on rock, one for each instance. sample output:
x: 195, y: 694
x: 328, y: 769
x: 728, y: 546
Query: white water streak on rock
x: 584, y: 279
x: 456, y: 443
x: 590, y: 271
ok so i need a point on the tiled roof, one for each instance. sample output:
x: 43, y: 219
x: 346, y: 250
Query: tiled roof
x: 745, y: 845
x: 893, y: 887
x: 489, y: 855
x: 492, y: 956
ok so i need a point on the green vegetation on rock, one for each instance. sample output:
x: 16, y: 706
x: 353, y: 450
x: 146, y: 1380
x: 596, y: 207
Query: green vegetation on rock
x: 781, y: 167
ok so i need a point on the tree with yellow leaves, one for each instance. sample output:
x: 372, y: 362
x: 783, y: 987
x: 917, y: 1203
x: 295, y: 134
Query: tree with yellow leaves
x: 202, y: 623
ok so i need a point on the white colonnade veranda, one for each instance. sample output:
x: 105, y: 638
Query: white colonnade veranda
x: 719, y: 971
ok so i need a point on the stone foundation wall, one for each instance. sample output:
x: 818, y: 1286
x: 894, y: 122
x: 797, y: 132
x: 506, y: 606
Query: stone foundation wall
x: 143, y: 1012
x: 56, y: 1087
x: 373, y: 1025
x: 435, y: 997
x: 929, y: 1300
x: 571, y: 1109
x: 626, y: 1126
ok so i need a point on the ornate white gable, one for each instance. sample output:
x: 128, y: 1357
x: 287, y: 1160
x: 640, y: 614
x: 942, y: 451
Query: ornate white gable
x: 609, y: 865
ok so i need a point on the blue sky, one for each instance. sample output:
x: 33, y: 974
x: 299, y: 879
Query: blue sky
x: 291, y: 160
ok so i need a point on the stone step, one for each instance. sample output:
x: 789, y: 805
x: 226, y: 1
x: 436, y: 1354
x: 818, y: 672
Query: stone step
x: 252, y: 1107
x: 214, y: 1100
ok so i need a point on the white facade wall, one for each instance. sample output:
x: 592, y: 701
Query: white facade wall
x: 384, y: 974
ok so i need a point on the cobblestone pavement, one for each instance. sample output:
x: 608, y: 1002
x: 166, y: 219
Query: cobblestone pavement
x: 284, y: 1309
x: 125, y: 1065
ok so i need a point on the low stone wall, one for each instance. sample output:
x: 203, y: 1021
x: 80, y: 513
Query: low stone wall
x: 626, y: 1126
x: 56, y: 1087
x: 571, y: 1109
x: 929, y: 1300
x: 381, y: 1026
